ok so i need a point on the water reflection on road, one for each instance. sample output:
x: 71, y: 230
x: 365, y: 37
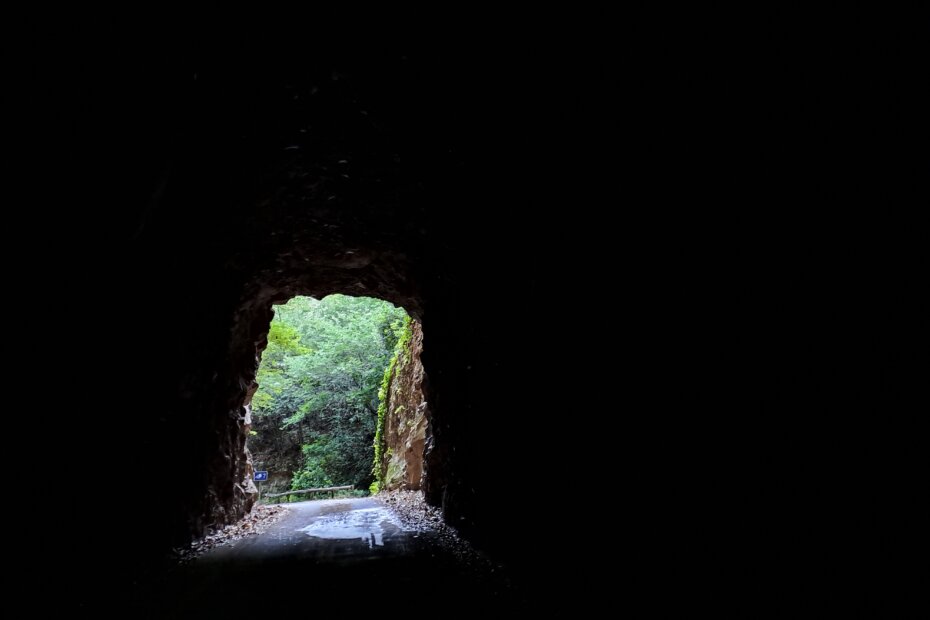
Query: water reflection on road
x: 367, y: 524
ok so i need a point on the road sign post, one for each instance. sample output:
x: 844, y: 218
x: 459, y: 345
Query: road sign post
x: 260, y: 477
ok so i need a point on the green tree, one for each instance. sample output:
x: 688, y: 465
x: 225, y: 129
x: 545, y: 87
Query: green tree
x: 318, y: 384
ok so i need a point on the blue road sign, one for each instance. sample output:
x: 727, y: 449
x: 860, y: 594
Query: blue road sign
x: 261, y: 475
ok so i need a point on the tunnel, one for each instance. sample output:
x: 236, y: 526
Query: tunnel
x: 645, y: 385
x: 241, y: 172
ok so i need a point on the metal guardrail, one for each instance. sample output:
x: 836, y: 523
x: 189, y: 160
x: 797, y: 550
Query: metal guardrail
x: 332, y: 490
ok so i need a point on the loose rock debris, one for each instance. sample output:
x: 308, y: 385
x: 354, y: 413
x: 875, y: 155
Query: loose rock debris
x: 256, y: 522
x: 418, y: 516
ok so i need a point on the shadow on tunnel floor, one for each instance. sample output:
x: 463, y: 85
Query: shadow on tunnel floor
x: 245, y: 587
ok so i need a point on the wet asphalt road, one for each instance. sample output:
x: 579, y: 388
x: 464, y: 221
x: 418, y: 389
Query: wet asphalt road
x: 325, y: 554
x: 336, y: 531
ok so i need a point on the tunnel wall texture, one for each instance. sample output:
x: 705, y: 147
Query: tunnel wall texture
x: 614, y: 248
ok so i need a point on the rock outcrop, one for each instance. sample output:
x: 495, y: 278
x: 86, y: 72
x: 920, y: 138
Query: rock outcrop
x: 406, y: 422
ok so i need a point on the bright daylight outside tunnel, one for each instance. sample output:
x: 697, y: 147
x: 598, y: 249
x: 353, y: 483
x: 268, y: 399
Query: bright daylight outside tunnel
x: 340, y: 407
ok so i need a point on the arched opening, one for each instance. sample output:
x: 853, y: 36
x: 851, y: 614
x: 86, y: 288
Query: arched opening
x: 231, y: 493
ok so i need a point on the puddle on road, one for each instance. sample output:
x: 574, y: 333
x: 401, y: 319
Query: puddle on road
x: 363, y: 524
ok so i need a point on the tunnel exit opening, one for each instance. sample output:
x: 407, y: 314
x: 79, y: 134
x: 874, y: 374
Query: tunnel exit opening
x: 339, y: 408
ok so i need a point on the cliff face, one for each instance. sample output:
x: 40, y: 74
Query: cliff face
x: 275, y: 452
x: 405, y: 422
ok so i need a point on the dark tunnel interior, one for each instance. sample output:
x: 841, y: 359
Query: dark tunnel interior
x: 634, y: 352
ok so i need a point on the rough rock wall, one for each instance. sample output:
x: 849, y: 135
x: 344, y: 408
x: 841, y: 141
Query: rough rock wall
x: 277, y: 453
x: 406, y: 423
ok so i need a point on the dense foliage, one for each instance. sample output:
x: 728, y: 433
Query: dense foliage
x: 319, y: 380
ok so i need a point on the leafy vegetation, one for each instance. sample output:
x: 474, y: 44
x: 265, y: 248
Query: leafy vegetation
x: 319, y: 382
x: 399, y: 349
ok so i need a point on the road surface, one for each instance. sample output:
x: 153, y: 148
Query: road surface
x: 350, y: 554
